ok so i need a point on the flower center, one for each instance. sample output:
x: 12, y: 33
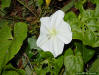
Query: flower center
x: 53, y: 32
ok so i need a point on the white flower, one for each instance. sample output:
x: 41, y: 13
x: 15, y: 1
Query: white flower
x: 54, y: 33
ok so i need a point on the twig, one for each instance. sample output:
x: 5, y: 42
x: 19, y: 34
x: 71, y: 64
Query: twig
x: 27, y: 7
x: 28, y: 61
x: 2, y: 11
x: 34, y: 4
x: 68, y: 6
x: 11, y: 18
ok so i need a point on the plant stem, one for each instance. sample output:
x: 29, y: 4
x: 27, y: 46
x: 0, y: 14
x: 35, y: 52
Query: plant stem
x: 28, y: 61
x: 33, y: 4
x: 2, y: 11
x: 27, y: 7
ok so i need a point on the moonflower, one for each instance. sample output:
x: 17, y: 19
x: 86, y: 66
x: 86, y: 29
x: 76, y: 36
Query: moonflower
x: 54, y: 33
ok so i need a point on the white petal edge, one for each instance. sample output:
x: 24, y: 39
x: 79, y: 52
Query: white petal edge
x: 53, y: 45
x: 47, y: 46
x: 56, y: 17
x: 65, y: 33
x: 42, y: 39
x: 45, y: 24
x: 58, y: 47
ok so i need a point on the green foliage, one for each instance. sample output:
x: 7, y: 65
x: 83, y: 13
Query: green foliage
x: 5, y: 3
x: 87, y: 53
x: 73, y: 62
x: 43, y: 62
x: 20, y: 33
x: 5, y: 35
x: 84, y: 27
x: 47, y: 64
x: 40, y: 2
x: 67, y: 7
x: 95, y: 67
x: 10, y: 70
x: 32, y: 43
x: 79, y: 5
x: 9, y: 46
x: 95, y: 1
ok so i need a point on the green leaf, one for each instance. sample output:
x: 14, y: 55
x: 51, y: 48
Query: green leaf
x: 70, y: 17
x: 79, y: 5
x: 32, y: 43
x: 95, y: 67
x: 10, y: 70
x: 87, y: 53
x: 73, y: 63
x: 97, y: 10
x: 95, y: 1
x: 85, y: 27
x: 9, y: 46
x: 31, y: 46
x: 40, y: 2
x: 5, y: 35
x: 68, y: 6
x: 20, y: 33
x: 10, y: 73
x: 59, y: 62
x: 46, y: 54
x: 44, y: 63
x: 5, y: 3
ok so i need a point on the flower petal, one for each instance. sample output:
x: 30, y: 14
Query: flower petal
x: 55, y: 46
x: 57, y: 17
x: 65, y: 33
x: 58, y: 47
x: 45, y: 24
x: 42, y: 39
x: 47, y: 44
